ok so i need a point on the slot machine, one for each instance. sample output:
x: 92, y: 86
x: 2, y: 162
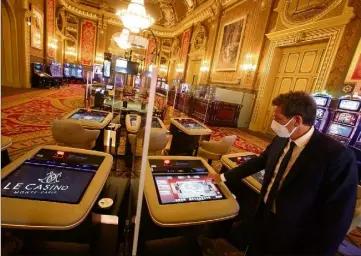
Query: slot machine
x: 38, y: 77
x: 73, y: 70
x: 323, y: 112
x: 79, y: 73
x: 55, y: 72
x: 345, y: 123
x: 66, y: 70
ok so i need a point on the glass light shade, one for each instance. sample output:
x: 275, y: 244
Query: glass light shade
x: 135, y: 18
x: 122, y: 40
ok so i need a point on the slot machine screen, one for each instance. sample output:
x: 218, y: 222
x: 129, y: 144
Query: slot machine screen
x: 37, y: 67
x: 321, y: 101
x: 346, y: 118
x: 106, y: 67
x: 109, y: 87
x: 66, y: 71
x: 351, y: 105
x: 340, y: 130
x: 317, y: 124
x: 320, y: 113
x: 73, y: 71
x: 186, y: 189
x: 79, y: 73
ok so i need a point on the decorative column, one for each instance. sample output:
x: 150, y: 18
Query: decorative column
x: 22, y: 12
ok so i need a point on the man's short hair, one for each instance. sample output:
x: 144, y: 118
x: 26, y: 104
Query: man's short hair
x: 297, y: 103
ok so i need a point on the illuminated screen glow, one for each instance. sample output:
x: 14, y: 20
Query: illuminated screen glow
x: 352, y: 105
x: 340, y: 130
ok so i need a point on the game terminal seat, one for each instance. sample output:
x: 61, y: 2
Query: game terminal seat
x: 213, y: 150
x: 73, y: 134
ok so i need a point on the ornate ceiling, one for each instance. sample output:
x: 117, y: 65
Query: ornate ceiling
x: 167, y: 13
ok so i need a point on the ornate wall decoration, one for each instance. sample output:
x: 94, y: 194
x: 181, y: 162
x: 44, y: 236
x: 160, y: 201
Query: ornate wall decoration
x: 186, y: 38
x: 50, y: 20
x: 37, y: 29
x: 229, y: 46
x: 166, y: 45
x: 297, y: 12
x: 191, y: 4
x: 87, y: 42
x: 199, y: 40
x: 149, y: 56
x: 175, y: 50
x: 354, y: 72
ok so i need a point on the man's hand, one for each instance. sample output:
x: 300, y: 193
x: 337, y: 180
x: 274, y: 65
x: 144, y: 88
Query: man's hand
x: 216, y: 178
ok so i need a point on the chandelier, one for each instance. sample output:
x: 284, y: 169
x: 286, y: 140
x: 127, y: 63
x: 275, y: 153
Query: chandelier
x: 135, y: 18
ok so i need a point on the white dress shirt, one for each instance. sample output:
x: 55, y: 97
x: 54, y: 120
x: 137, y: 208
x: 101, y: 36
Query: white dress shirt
x: 301, y: 142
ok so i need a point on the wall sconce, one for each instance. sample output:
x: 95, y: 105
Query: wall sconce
x: 163, y: 69
x: 28, y: 21
x: 179, y: 68
x: 99, y: 58
x: 204, y: 66
x: 70, y: 51
x: 248, y: 67
x: 52, y: 43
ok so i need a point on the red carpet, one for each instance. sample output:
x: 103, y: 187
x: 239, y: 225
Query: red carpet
x: 26, y: 118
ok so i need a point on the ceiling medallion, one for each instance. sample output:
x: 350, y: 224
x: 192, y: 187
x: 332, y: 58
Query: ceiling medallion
x: 135, y: 17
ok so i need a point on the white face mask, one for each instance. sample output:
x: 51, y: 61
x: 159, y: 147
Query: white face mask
x: 281, y: 130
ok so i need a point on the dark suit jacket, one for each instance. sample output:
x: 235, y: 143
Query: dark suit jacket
x: 316, y: 202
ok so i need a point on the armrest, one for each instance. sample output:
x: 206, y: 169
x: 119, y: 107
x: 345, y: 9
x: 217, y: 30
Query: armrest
x: 215, y: 147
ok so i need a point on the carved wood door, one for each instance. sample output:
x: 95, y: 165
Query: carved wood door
x: 298, y: 71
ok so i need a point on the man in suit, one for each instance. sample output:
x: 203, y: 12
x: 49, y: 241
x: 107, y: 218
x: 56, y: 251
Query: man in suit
x: 308, y: 195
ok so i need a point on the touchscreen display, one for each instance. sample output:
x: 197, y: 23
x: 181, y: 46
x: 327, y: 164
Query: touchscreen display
x: 340, y: 130
x: 155, y: 123
x: 186, y: 188
x: 52, y: 175
x: 320, y: 113
x: 133, y: 121
x: 321, y: 101
x: 352, y: 105
x: 90, y: 116
x: 190, y: 123
x: 345, y: 118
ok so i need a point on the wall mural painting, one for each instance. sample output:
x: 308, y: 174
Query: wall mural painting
x: 230, y: 46
x: 186, y: 39
x: 150, y: 52
x: 50, y: 19
x: 37, y: 29
x: 354, y: 72
x: 87, y: 42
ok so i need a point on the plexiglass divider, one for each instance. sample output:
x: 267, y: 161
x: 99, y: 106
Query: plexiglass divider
x: 148, y: 127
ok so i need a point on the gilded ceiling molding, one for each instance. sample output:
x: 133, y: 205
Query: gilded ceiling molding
x: 204, y: 11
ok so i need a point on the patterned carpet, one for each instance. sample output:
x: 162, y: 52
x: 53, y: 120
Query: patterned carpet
x: 26, y: 118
